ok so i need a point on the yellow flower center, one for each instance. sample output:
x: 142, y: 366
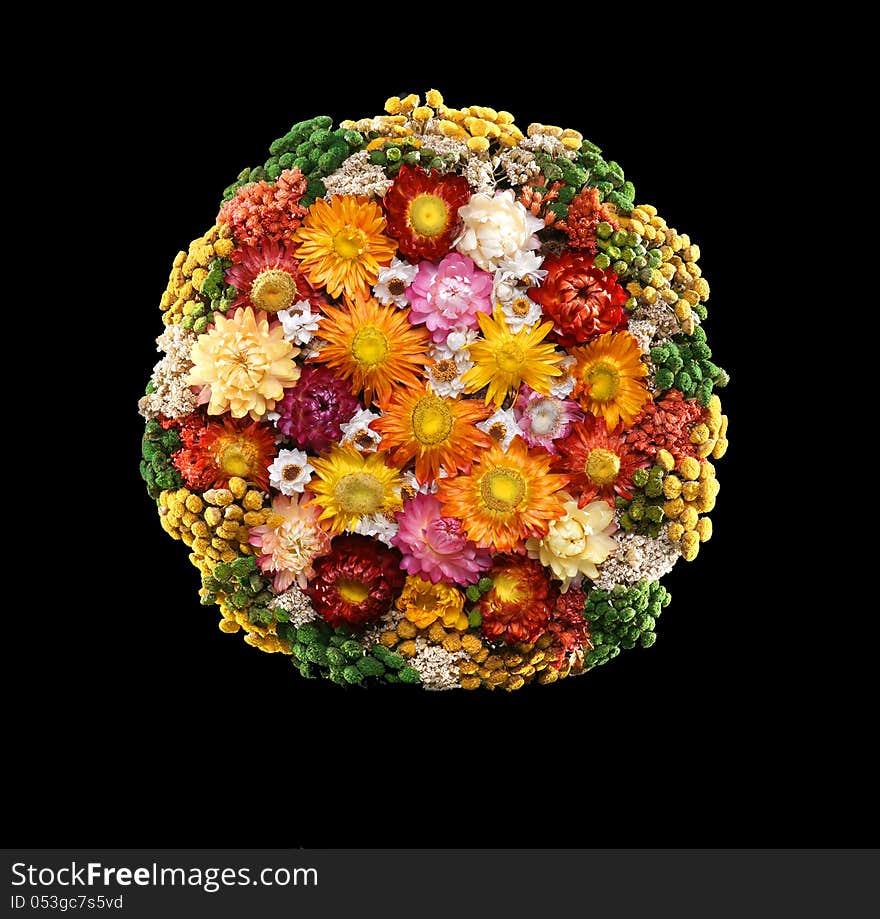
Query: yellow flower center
x: 370, y: 346
x: 502, y: 489
x: 396, y: 286
x: 445, y: 370
x: 351, y: 590
x: 291, y: 472
x: 348, y: 242
x: 509, y: 357
x: 428, y: 215
x: 603, y: 380
x: 506, y: 588
x: 237, y: 459
x: 520, y: 306
x: 360, y: 493
x: 432, y: 420
x: 602, y: 466
x: 273, y: 289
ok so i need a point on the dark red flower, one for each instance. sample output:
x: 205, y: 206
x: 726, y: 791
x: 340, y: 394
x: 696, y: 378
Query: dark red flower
x: 357, y: 582
x: 517, y: 606
x: 582, y: 300
x: 567, y: 625
x: 421, y: 209
x: 313, y: 410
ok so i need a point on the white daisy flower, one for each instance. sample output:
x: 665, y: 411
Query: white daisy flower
x: 457, y: 341
x: 412, y: 486
x: 378, y: 526
x: 505, y: 285
x: 290, y: 472
x: 299, y: 322
x: 562, y: 386
x: 447, y: 370
x: 501, y: 426
x: 357, y: 431
x: 526, y: 266
x: 521, y: 312
x: 393, y: 281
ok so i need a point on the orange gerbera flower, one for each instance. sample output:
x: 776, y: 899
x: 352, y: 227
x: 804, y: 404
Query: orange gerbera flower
x: 608, y: 374
x: 342, y: 246
x: 506, y: 497
x: 434, y: 431
x: 374, y: 346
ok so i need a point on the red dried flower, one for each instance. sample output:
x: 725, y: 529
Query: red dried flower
x: 517, y: 606
x: 263, y: 211
x: 585, y: 213
x: 421, y: 209
x: 357, y: 582
x: 598, y: 462
x: 567, y: 625
x: 666, y: 425
x: 582, y: 300
x: 268, y: 277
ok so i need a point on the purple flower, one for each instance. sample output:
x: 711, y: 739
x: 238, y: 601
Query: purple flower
x: 312, y: 412
x: 448, y: 295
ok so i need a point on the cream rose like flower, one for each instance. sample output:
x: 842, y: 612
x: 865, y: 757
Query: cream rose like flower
x: 497, y: 230
x: 243, y: 364
x: 577, y: 541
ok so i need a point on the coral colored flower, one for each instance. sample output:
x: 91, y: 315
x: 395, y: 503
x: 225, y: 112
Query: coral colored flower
x: 448, y: 295
x: 423, y: 603
x: 373, y: 346
x: 214, y: 452
x: 290, y: 542
x: 422, y: 209
x: 244, y: 364
x: 497, y: 229
x: 576, y: 542
x: 666, y: 425
x: 267, y: 277
x: 609, y: 376
x: 505, y: 498
x: 544, y: 419
x: 518, y: 605
x: 435, y: 432
x: 342, y: 246
x: 582, y: 300
x: 599, y: 462
x: 434, y: 547
x: 313, y: 411
x: 261, y: 211
x: 356, y: 582
x: 348, y: 485
x: 585, y: 213
x: 504, y: 359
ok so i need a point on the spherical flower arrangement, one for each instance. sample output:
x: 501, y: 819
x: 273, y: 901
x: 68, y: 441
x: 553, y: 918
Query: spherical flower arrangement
x: 436, y: 404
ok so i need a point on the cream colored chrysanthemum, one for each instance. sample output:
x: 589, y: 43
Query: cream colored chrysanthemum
x: 246, y: 362
x: 577, y: 541
x: 497, y: 228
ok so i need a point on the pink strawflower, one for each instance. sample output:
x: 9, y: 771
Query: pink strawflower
x: 315, y: 408
x: 543, y: 419
x: 434, y: 547
x: 288, y: 549
x: 448, y: 295
x: 262, y: 211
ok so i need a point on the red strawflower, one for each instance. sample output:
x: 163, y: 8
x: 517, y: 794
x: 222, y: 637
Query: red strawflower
x: 585, y: 213
x: 666, y: 425
x: 582, y: 300
x: 567, y: 625
x: 267, y: 277
x: 357, y: 582
x: 262, y: 211
x: 215, y: 451
x: 517, y: 606
x: 598, y: 462
x: 421, y: 209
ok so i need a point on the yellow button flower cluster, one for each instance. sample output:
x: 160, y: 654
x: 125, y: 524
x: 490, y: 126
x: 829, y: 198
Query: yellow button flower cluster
x: 690, y: 489
x: 256, y: 635
x: 189, y: 271
x: 710, y: 435
x: 678, y: 280
x: 215, y: 526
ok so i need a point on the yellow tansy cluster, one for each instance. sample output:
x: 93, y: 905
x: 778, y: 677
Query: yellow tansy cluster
x: 710, y: 435
x: 189, y: 271
x: 690, y: 489
x: 214, y: 525
x: 256, y: 635
x: 678, y: 280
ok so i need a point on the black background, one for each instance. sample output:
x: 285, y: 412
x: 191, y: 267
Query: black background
x: 134, y: 720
